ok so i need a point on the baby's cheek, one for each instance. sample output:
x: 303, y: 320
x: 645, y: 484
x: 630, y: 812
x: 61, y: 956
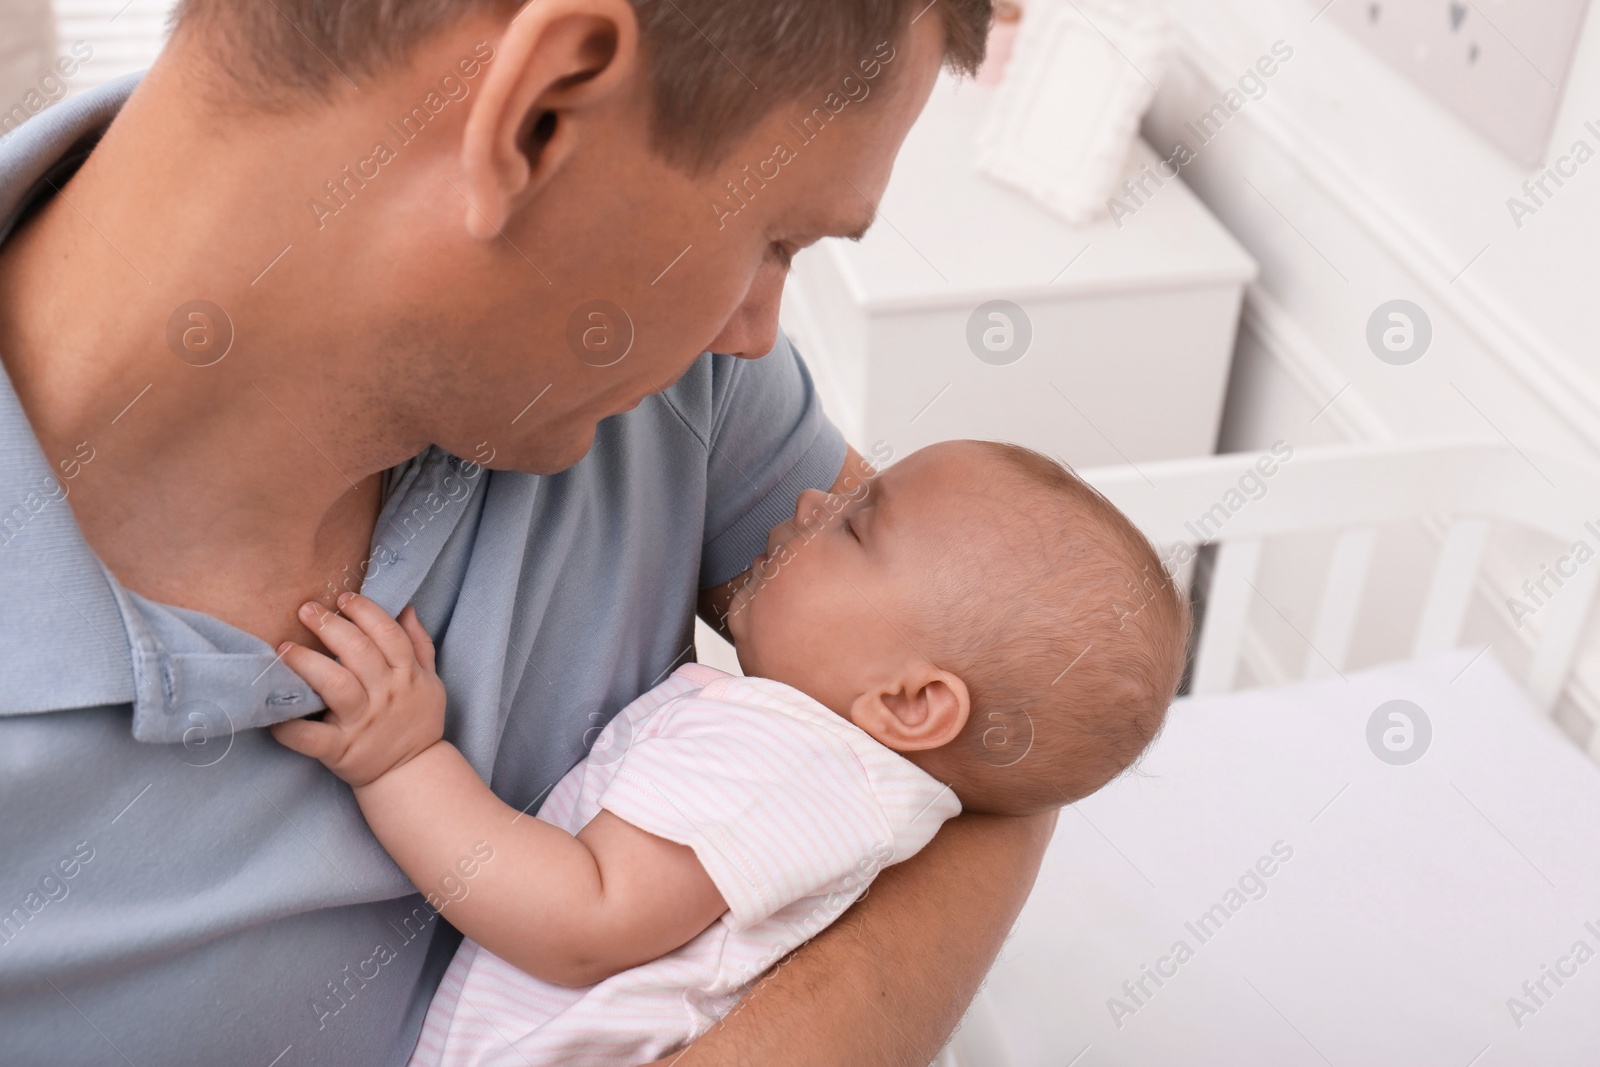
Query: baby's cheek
x: 773, y: 616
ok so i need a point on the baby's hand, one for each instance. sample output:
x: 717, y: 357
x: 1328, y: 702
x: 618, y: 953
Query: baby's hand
x: 385, y: 703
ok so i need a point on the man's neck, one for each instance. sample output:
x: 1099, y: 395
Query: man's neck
x: 236, y: 488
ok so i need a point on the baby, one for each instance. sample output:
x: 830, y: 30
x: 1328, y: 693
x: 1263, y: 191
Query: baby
x: 974, y: 628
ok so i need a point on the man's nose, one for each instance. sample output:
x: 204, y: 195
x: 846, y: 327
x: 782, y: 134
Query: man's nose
x: 753, y: 329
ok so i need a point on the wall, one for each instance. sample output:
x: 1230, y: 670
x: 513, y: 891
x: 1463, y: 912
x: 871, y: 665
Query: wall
x: 122, y: 36
x: 27, y: 49
x: 1352, y: 188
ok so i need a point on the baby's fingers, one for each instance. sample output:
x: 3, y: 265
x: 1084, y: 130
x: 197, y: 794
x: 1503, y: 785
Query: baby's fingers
x: 421, y: 643
x: 346, y: 640
x: 380, y: 629
x: 315, y: 739
x: 338, y: 687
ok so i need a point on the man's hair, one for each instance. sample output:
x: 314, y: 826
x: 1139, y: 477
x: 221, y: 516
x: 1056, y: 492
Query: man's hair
x: 717, y: 67
x: 1070, y: 636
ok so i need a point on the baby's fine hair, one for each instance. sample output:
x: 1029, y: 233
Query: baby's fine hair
x: 1070, y: 636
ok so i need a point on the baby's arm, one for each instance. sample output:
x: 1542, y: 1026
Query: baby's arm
x: 567, y: 909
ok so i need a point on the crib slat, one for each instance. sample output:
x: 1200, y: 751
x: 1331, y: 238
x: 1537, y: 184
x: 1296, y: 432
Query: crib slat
x: 1341, y: 599
x: 1558, y: 645
x: 1227, y: 607
x: 1450, y: 592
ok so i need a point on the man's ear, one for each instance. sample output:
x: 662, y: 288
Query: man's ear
x: 927, y: 709
x: 556, y: 58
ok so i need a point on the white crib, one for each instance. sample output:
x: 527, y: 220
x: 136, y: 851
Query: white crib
x: 1459, y: 488
x: 1499, y: 754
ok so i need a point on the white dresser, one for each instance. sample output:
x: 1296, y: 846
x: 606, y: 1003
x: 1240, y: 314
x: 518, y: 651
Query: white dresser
x: 1132, y: 325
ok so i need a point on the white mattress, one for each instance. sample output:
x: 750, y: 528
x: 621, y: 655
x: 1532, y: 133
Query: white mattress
x: 1417, y: 899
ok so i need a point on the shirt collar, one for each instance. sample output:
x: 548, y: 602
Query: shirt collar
x: 49, y: 148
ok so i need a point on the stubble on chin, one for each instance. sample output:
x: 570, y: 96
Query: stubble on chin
x: 557, y: 450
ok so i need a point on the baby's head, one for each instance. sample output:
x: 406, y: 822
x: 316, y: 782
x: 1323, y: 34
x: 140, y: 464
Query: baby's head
x: 980, y: 610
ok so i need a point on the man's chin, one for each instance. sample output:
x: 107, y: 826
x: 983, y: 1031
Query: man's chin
x: 573, y: 452
x: 553, y: 457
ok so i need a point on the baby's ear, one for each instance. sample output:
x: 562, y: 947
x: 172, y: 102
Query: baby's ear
x: 928, y: 709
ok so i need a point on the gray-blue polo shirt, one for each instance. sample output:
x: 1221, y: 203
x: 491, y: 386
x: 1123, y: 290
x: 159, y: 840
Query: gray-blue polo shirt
x: 178, y: 889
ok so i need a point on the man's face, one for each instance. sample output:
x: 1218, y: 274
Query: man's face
x: 623, y: 269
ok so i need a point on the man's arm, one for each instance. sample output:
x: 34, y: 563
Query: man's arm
x: 885, y: 985
x: 713, y: 606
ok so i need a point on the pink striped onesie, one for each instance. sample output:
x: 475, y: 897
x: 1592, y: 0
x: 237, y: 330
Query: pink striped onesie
x: 791, y: 809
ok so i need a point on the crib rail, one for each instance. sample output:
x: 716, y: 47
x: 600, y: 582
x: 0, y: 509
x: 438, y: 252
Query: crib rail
x: 1240, y: 501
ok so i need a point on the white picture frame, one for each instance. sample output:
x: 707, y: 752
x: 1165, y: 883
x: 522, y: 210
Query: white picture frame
x: 1068, y: 108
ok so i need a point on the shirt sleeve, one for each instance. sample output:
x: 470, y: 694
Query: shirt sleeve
x: 775, y: 808
x: 769, y: 441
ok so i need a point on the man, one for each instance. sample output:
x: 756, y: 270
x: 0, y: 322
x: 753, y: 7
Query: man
x: 415, y: 298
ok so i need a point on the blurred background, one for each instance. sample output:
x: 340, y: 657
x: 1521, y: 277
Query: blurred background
x: 121, y: 36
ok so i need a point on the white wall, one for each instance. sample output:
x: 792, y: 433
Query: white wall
x: 1351, y: 188
x: 117, y: 36
x: 27, y: 48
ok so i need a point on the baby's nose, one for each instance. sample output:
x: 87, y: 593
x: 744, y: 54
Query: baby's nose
x: 810, y: 502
